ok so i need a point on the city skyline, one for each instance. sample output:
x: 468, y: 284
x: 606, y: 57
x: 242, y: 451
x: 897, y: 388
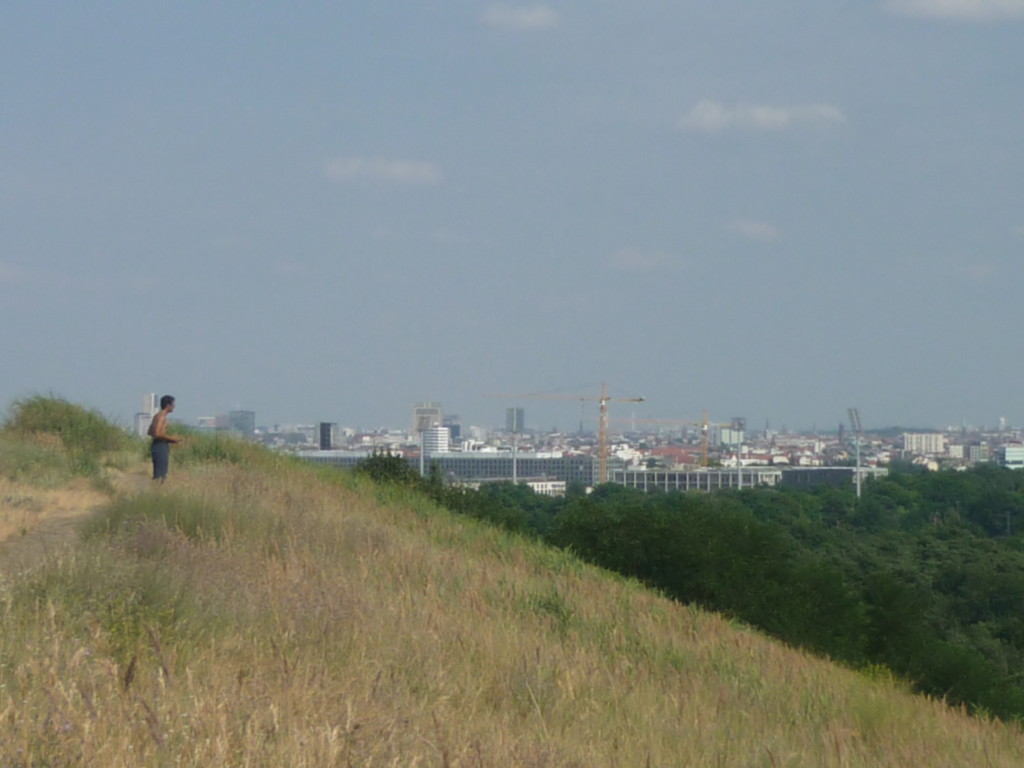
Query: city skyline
x: 331, y: 212
x: 588, y: 424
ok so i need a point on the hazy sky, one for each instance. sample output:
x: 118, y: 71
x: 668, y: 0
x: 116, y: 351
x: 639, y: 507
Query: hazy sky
x: 332, y: 210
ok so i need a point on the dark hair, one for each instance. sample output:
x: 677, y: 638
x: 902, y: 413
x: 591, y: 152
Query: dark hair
x: 165, y: 401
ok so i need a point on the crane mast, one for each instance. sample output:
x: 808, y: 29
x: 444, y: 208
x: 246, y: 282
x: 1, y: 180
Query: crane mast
x: 602, y: 428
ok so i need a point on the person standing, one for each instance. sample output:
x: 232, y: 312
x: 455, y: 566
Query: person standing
x: 161, y: 446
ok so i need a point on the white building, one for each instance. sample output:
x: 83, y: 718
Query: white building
x: 1011, y: 455
x: 150, y: 408
x: 547, y: 487
x: 436, y: 440
x: 924, y: 443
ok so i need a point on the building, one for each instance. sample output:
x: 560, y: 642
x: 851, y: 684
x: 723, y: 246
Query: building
x: 976, y: 453
x: 425, y: 416
x: 652, y: 480
x: 243, y: 422
x: 515, y: 421
x: 474, y: 466
x: 150, y: 408
x: 1011, y: 456
x: 924, y: 443
x: 734, y: 433
x: 553, y: 488
x: 327, y: 433
x: 808, y: 477
x: 436, y: 440
x: 546, y: 487
x: 454, y: 426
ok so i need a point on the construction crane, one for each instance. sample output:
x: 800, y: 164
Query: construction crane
x: 705, y: 429
x: 602, y: 430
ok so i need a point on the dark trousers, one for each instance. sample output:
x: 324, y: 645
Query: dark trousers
x: 161, y: 450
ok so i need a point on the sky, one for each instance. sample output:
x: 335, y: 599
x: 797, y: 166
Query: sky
x: 329, y: 211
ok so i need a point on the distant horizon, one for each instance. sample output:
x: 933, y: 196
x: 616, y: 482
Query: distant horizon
x: 591, y: 427
x: 619, y: 423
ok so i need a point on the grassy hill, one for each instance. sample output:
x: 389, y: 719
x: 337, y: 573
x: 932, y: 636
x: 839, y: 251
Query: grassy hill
x: 254, y: 612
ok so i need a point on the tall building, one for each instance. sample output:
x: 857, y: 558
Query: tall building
x: 436, y: 440
x: 514, y: 420
x: 454, y: 426
x: 243, y: 422
x: 327, y: 432
x: 150, y: 407
x: 425, y: 416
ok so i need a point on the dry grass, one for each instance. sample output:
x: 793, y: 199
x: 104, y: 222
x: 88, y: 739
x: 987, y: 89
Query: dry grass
x: 23, y: 507
x: 240, y: 619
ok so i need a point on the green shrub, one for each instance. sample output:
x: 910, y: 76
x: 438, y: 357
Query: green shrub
x: 82, y: 432
x: 48, y: 436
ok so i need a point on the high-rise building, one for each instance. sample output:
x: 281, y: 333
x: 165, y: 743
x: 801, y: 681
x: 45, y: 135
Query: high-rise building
x: 150, y: 408
x: 515, y: 420
x: 327, y: 432
x: 243, y: 422
x: 454, y: 426
x: 425, y: 416
x: 436, y: 440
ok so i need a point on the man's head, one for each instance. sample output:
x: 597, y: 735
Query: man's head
x: 166, y: 402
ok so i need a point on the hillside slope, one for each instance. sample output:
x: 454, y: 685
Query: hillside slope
x: 270, y: 616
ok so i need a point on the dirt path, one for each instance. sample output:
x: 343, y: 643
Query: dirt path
x: 37, y: 523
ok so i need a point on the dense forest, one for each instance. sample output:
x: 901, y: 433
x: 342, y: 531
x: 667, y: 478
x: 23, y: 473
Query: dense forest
x: 923, y: 576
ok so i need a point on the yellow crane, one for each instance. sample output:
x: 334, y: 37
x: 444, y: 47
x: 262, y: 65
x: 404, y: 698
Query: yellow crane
x: 602, y: 430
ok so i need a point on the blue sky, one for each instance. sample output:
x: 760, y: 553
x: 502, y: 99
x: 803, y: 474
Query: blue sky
x: 332, y: 210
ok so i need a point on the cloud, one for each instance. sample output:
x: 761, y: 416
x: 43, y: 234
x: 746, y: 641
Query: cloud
x: 715, y: 117
x: 520, y: 17
x: 637, y: 260
x: 382, y: 171
x: 755, y: 230
x: 959, y: 10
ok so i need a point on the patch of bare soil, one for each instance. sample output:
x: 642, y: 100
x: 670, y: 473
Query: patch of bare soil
x: 36, y: 523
